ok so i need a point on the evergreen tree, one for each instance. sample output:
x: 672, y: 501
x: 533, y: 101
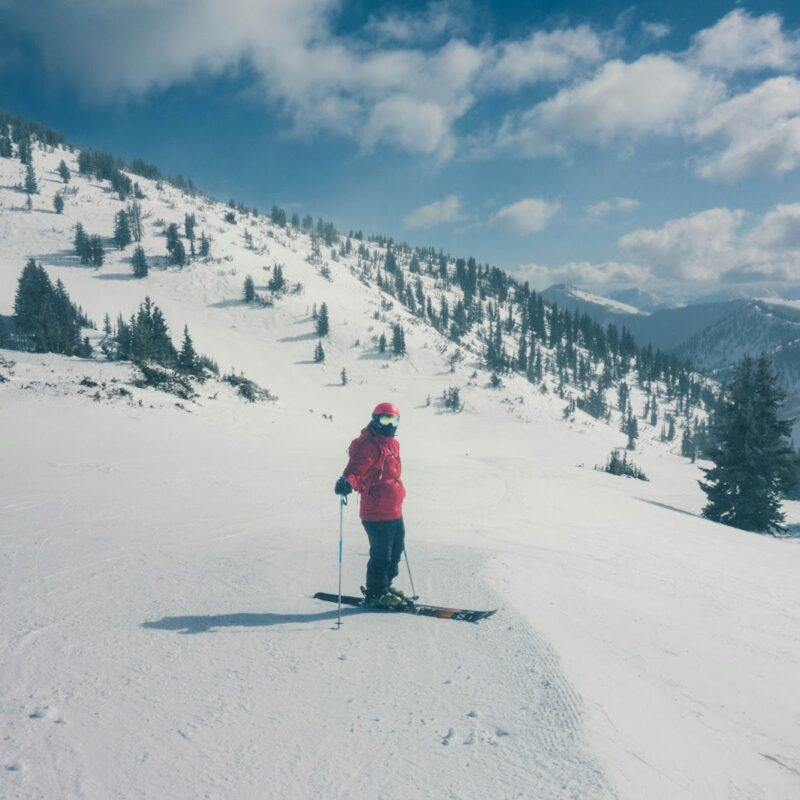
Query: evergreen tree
x: 187, y: 358
x: 398, y: 340
x: 323, y: 324
x: 172, y: 236
x: 382, y: 343
x: 178, y: 254
x: 189, y: 223
x: 6, y: 150
x: 344, y: 376
x: 750, y: 450
x: 146, y: 337
x: 390, y: 262
x: 277, y: 283
x: 58, y: 203
x: 139, y: 262
x: 96, y: 252
x: 205, y: 246
x: 688, y: 449
x: 31, y: 186
x: 122, y: 230
x: 44, y: 315
x: 594, y: 403
x: 24, y: 151
x: 319, y: 353
x: 249, y: 290
x: 622, y: 396
x: 63, y: 171
x: 81, y: 243
x: 278, y: 216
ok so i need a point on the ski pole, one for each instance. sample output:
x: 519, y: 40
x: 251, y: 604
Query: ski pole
x: 342, y: 504
x: 408, y: 567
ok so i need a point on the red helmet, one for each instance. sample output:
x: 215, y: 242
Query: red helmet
x: 386, y: 408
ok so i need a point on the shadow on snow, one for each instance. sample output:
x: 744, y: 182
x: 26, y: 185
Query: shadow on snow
x: 206, y: 624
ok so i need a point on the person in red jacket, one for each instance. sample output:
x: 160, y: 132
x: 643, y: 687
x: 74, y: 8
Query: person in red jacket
x: 374, y: 471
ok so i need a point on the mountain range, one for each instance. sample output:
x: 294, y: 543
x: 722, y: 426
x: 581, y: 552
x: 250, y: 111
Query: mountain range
x: 713, y: 336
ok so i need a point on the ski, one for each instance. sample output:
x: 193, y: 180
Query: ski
x: 418, y: 609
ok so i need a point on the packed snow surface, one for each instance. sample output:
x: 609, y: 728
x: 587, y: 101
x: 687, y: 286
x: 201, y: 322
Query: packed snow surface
x: 157, y: 560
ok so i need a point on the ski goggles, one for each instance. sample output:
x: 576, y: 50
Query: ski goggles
x: 389, y: 419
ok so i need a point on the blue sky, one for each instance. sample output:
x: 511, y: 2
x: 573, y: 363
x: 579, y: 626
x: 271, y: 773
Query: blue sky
x: 654, y: 145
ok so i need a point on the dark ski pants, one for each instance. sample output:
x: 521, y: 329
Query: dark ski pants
x: 386, y: 540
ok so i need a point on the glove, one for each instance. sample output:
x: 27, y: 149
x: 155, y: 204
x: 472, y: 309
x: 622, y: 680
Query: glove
x: 343, y: 487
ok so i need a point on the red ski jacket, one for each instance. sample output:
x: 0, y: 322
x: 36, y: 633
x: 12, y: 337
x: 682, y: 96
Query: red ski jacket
x: 374, y: 471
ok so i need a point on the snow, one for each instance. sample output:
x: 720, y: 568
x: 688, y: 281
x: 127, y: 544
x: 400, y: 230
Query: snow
x: 614, y: 306
x: 158, y: 637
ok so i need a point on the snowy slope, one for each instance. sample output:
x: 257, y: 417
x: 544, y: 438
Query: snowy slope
x: 602, y: 308
x: 158, y: 638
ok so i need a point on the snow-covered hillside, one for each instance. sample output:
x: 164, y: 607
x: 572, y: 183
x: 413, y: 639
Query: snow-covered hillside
x: 157, y: 559
x: 602, y: 308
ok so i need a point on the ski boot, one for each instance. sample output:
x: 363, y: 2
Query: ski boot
x: 404, y: 597
x: 387, y: 600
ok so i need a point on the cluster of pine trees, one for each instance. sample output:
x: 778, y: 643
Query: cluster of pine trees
x: 88, y: 248
x: 45, y: 319
x: 145, y: 338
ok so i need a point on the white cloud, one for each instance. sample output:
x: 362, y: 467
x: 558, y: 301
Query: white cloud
x: 544, y: 56
x: 779, y: 229
x: 697, y: 247
x: 606, y: 207
x: 653, y: 95
x: 760, y: 128
x: 406, y: 80
x: 585, y: 273
x: 656, y: 30
x: 718, y: 245
x: 439, y: 19
x: 740, y: 41
x: 123, y: 49
x: 525, y: 217
x: 437, y: 213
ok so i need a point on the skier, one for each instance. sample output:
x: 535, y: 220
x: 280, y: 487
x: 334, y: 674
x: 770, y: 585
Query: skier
x: 374, y: 471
